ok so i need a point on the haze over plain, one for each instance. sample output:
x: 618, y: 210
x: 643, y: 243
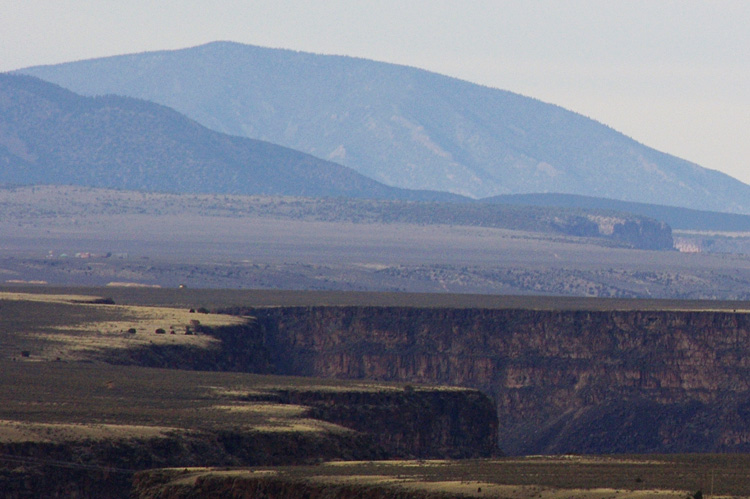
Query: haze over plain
x: 715, y: 278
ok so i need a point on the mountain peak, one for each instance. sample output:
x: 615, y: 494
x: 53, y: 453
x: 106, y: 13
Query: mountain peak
x: 403, y: 126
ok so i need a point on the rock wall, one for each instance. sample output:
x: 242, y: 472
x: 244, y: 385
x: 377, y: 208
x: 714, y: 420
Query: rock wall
x: 413, y: 422
x: 562, y: 381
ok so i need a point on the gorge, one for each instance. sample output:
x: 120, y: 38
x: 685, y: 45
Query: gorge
x: 563, y: 381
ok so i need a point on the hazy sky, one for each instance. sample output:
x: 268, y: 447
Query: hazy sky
x: 674, y: 75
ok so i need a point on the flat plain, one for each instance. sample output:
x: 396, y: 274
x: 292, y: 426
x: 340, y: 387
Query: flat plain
x: 77, y: 236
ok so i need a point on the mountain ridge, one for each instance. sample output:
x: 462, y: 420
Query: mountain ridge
x: 53, y: 136
x: 403, y: 126
x: 86, y: 131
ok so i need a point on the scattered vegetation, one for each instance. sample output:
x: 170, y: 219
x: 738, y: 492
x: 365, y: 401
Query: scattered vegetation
x: 72, y: 393
x: 76, y: 327
x: 590, y: 477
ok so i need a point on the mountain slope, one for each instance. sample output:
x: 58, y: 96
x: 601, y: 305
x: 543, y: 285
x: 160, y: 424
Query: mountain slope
x: 403, y: 126
x: 50, y: 135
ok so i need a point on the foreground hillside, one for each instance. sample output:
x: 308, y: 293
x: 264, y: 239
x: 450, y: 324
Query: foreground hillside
x: 49, y: 135
x: 566, y: 376
x: 402, y: 126
x: 82, y: 430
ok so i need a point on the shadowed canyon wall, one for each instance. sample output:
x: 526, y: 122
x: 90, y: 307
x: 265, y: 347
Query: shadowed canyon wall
x: 563, y: 381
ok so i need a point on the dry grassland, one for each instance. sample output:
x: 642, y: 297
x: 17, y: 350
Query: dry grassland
x: 86, y: 327
x: 17, y: 432
x: 271, y: 410
x: 279, y: 425
x: 278, y: 417
x: 492, y: 490
x: 227, y: 298
x: 545, y: 477
x: 71, y: 401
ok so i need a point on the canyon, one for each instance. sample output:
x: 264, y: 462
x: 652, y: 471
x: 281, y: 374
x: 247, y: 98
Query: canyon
x: 265, y: 378
x: 73, y: 426
x: 563, y: 381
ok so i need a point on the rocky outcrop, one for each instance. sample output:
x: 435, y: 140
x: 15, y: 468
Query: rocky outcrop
x: 629, y: 230
x: 562, y: 381
x: 644, y: 233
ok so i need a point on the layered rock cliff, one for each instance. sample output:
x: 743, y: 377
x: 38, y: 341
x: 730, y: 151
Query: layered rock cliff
x: 562, y: 381
x: 415, y: 422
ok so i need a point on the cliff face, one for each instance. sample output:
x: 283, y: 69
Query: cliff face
x: 414, y: 422
x: 563, y: 381
x: 633, y: 231
x: 644, y: 234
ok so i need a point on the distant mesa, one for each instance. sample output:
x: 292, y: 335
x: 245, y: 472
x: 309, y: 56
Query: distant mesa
x: 675, y: 217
